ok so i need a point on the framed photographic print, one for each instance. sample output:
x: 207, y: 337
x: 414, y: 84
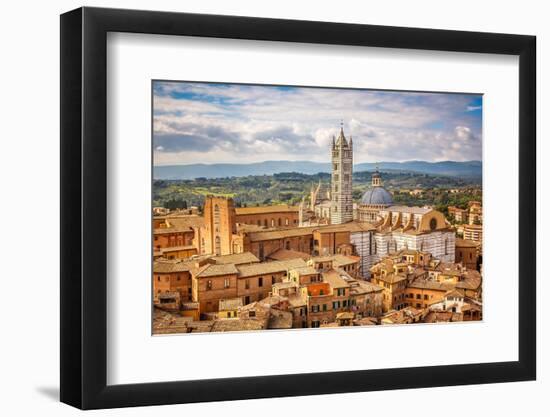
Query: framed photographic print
x: 258, y: 208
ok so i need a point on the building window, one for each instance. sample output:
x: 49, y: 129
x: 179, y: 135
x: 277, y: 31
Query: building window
x: 251, y: 313
x: 226, y: 283
x: 418, y: 296
x: 247, y: 284
x: 272, y: 222
x: 260, y: 282
x: 286, y: 222
x: 209, y: 284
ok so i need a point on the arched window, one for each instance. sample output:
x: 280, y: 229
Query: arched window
x: 272, y: 222
x: 286, y: 222
x: 280, y: 222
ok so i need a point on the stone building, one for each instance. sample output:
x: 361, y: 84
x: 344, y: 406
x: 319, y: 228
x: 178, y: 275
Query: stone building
x: 341, y: 210
x: 467, y: 253
x: 277, y: 216
x: 459, y: 215
x: 415, y: 279
x: 473, y: 232
x: 219, y: 226
x: 173, y: 236
x: 475, y: 212
x: 255, y: 281
x: 170, y: 276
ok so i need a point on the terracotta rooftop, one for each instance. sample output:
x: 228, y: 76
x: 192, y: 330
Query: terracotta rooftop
x: 212, y: 270
x: 305, y: 270
x: 463, y: 243
x: 297, y: 300
x: 269, y: 267
x: 280, y: 320
x: 363, y: 287
x: 304, y: 231
x: 280, y: 234
x: 334, y: 279
x: 182, y: 223
x: 392, y: 278
x: 407, y: 209
x: 236, y: 325
x: 285, y: 254
x: 431, y: 285
x: 236, y: 259
x: 338, y: 260
x: 454, y: 293
x: 283, y: 208
x: 166, y: 266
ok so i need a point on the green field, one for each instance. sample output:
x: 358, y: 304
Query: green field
x: 289, y: 188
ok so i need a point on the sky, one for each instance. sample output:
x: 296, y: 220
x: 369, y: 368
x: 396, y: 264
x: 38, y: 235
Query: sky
x: 235, y: 123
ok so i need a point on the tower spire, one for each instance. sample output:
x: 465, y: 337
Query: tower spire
x: 376, y: 180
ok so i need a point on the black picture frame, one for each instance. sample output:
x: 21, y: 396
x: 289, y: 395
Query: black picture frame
x: 84, y: 207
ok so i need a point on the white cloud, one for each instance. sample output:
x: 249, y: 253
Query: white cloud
x: 235, y: 123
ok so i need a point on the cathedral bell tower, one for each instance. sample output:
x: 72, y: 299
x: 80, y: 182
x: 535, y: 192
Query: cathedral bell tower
x: 341, y: 208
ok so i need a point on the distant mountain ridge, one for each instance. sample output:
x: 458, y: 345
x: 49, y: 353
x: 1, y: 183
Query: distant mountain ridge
x: 467, y: 169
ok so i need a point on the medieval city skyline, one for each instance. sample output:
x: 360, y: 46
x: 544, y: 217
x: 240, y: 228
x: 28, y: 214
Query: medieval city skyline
x: 289, y: 249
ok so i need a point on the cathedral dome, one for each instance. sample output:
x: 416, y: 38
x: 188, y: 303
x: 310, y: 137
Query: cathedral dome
x: 377, y: 196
